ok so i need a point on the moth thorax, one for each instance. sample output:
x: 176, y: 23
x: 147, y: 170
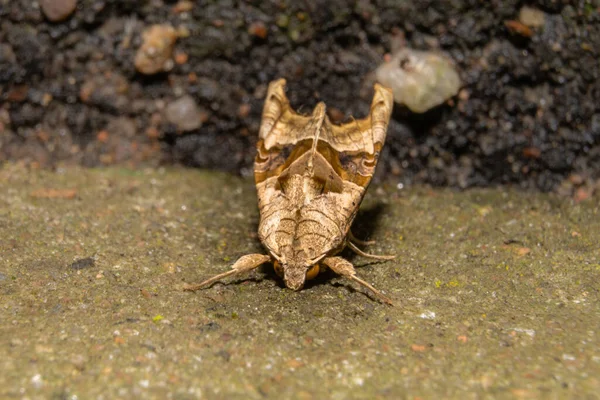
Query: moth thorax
x: 312, y: 272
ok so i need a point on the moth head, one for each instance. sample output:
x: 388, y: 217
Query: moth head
x: 294, y: 275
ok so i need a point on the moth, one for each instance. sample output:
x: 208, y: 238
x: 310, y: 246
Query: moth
x: 311, y: 176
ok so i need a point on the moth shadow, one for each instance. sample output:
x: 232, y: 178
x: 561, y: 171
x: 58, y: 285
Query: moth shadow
x: 367, y: 220
x: 243, y: 280
x: 268, y: 274
x: 347, y: 285
x: 324, y: 278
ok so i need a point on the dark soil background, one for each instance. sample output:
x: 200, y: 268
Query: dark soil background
x: 528, y: 113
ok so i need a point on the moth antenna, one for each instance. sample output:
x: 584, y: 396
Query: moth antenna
x: 358, y: 241
x: 358, y: 251
x: 345, y: 268
x: 376, y: 292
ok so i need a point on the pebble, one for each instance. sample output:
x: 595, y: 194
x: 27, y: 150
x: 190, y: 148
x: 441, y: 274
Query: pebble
x: 37, y: 381
x: 58, y: 10
x: 184, y: 113
x: 518, y: 28
x: 183, y: 6
x: 420, y: 80
x: 258, y: 29
x: 154, y: 55
x: 532, y: 17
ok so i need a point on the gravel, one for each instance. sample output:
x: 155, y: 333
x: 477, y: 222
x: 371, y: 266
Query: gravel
x: 527, y: 112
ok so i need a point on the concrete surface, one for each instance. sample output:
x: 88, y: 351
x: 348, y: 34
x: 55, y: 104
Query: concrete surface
x: 496, y: 295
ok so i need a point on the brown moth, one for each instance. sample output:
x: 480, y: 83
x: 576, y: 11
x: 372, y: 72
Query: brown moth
x: 311, y: 177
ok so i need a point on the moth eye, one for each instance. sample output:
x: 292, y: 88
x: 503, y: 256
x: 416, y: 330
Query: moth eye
x: 278, y: 268
x: 312, y: 272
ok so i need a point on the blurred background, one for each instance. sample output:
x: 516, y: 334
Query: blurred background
x: 495, y: 92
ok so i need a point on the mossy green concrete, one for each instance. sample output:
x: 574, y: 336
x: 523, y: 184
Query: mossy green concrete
x: 496, y: 291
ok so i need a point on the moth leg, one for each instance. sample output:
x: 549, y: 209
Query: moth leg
x: 243, y: 264
x: 345, y: 268
x: 355, y: 240
x: 367, y: 255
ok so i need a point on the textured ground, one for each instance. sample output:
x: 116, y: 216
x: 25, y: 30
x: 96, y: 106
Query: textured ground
x: 529, y: 111
x: 496, y: 295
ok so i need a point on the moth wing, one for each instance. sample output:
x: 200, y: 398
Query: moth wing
x: 342, y: 157
x: 356, y: 145
x: 350, y: 151
x: 282, y: 141
x: 281, y: 133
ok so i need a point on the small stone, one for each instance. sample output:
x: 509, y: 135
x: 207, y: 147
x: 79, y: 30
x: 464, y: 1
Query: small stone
x: 532, y: 152
x: 418, y: 348
x: 258, y: 29
x: 576, y: 179
x: 102, y: 136
x: 7, y: 53
x: 18, y: 93
x: 78, y: 362
x: 532, y: 17
x: 157, y: 48
x: 184, y: 113
x: 37, y: 381
x: 107, y: 92
x: 335, y: 114
x: 420, y: 80
x: 170, y: 267
x: 51, y: 193
x: 224, y: 354
x: 46, y: 99
x: 58, y: 10
x: 518, y: 28
x: 582, y: 194
x: 152, y: 132
x: 83, y: 263
x: 181, y: 58
x: 244, y: 110
x: 183, y: 6
x: 209, y: 327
